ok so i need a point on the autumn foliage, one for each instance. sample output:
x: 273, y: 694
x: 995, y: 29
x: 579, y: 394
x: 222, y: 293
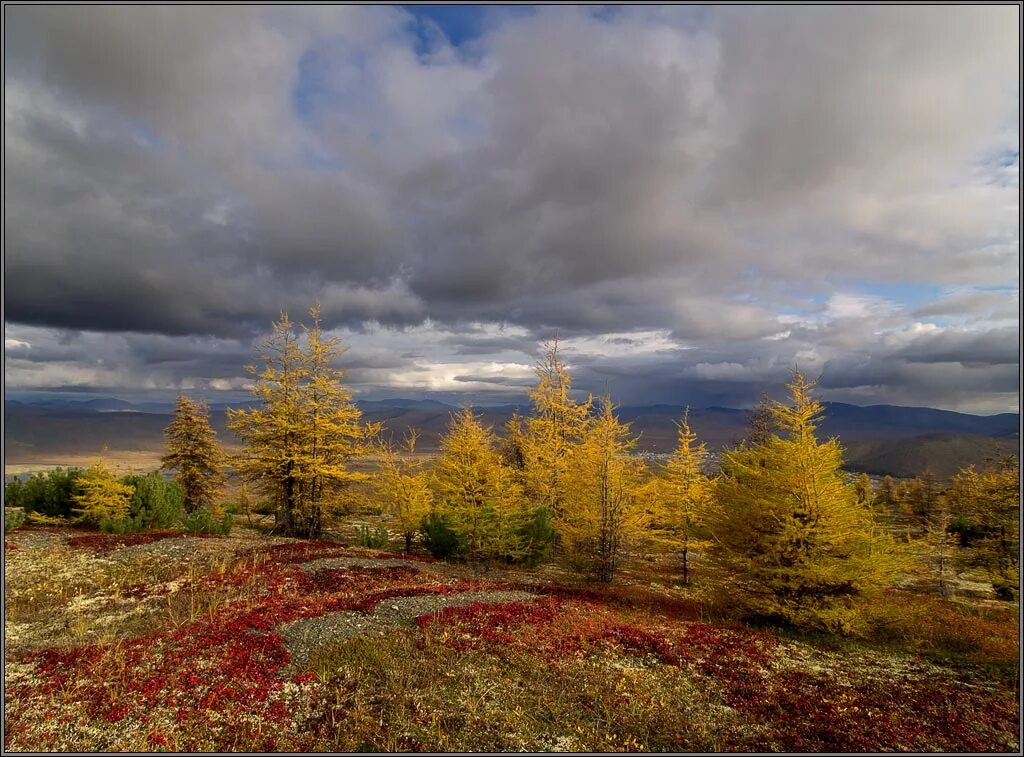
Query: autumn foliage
x: 194, y: 455
x: 301, y: 437
x: 790, y: 537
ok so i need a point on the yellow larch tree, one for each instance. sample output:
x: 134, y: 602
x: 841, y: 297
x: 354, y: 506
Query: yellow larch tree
x: 513, y: 444
x: 272, y: 434
x: 865, y: 491
x: 684, y: 494
x: 403, y: 486
x: 194, y: 455
x: 788, y: 531
x: 602, y: 511
x: 760, y: 422
x: 477, y: 493
x: 101, y: 496
x: 553, y: 431
x: 299, y: 442
x: 940, y: 546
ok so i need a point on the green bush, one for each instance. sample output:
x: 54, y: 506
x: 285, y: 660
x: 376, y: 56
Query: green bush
x: 157, y: 503
x: 122, y: 526
x: 48, y: 494
x: 539, y: 535
x: 14, y: 517
x: 14, y: 493
x: 439, y: 537
x: 201, y: 521
x: 264, y: 508
x: 967, y: 531
x: 376, y: 538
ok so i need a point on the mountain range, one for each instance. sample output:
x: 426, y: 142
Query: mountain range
x: 880, y: 439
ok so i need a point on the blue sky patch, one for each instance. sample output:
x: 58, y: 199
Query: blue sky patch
x: 461, y: 23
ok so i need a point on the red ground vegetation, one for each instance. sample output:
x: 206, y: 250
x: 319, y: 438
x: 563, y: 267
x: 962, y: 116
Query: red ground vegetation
x: 219, y: 680
x: 102, y: 544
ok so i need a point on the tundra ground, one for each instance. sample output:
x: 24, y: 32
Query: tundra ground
x: 162, y: 641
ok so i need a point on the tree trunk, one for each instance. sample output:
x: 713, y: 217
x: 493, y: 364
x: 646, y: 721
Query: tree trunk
x: 286, y: 519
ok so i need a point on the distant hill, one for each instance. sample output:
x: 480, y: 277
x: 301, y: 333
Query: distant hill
x: 39, y: 433
x: 883, y: 439
x: 851, y: 422
x: 943, y: 454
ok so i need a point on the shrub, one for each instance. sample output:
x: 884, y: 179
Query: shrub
x: 439, y: 537
x: 968, y: 531
x: 943, y: 628
x: 14, y: 493
x: 120, y: 526
x: 50, y: 494
x: 156, y: 503
x: 14, y: 517
x: 266, y: 507
x: 201, y: 521
x: 538, y: 537
x: 373, y: 538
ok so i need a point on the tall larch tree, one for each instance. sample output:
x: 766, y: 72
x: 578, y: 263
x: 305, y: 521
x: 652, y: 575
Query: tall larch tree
x: 477, y: 493
x: 194, y: 455
x: 603, y: 511
x: 788, y: 531
x: 554, y: 430
x: 299, y: 442
x: 685, y: 492
x: 403, y: 486
x: 939, y: 546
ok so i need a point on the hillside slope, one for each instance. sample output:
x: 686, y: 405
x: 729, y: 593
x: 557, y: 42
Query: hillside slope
x: 879, y: 439
x: 943, y: 454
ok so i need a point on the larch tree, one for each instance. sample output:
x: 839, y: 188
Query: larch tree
x: 887, y: 493
x: 940, y: 546
x: 920, y: 496
x: 477, y: 493
x: 865, y: 491
x: 760, y: 422
x: 101, y: 496
x: 244, y: 502
x: 603, y: 510
x: 990, y: 499
x: 788, y: 532
x: 685, y: 492
x: 194, y: 455
x: 513, y: 444
x: 554, y: 430
x: 403, y: 486
x: 299, y: 442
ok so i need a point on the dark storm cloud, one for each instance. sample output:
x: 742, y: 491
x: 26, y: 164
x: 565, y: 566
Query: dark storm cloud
x: 999, y: 304
x: 997, y: 347
x: 177, y: 176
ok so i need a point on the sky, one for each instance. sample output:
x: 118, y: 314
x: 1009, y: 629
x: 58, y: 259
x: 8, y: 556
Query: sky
x: 695, y: 200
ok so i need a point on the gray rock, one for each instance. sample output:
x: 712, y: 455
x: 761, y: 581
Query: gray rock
x: 302, y: 637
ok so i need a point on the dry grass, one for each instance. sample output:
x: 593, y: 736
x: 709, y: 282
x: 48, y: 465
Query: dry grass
x: 121, y: 462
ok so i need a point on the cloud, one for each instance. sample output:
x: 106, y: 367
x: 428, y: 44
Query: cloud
x: 696, y: 198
